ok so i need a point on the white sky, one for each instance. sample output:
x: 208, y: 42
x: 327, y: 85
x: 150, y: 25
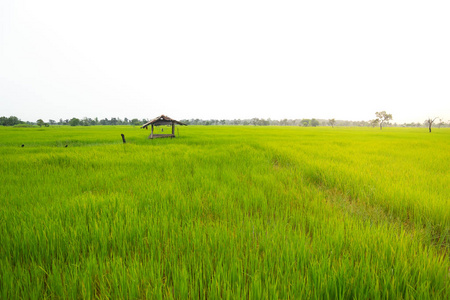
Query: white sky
x: 225, y: 59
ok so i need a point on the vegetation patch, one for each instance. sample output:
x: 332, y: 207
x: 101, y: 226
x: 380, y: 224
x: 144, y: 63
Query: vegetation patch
x: 224, y: 212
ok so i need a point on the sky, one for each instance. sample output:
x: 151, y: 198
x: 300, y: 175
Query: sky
x: 225, y: 59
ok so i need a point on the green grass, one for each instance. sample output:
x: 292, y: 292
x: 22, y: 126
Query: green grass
x: 225, y: 212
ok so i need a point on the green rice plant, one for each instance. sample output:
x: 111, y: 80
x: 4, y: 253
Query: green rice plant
x: 224, y: 212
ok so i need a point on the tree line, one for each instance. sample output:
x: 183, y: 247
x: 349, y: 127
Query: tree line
x: 13, y: 120
x: 255, y: 122
x: 382, y: 120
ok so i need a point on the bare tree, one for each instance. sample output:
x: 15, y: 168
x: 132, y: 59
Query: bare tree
x: 332, y: 122
x: 430, y: 122
x: 383, y: 117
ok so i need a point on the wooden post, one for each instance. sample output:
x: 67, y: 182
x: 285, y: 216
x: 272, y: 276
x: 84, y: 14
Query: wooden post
x: 123, y: 138
x: 173, y: 129
x: 151, y: 135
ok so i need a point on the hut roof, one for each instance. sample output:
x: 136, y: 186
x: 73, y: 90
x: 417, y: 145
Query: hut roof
x: 162, y: 120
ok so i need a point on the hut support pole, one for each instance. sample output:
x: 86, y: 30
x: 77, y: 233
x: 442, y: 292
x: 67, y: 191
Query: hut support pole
x: 151, y: 135
x: 173, y: 129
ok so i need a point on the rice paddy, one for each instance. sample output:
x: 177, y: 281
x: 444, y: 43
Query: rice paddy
x: 225, y: 212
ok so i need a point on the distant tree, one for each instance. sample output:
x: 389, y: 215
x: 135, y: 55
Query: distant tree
x: 305, y: 122
x: 74, y: 122
x: 135, y: 122
x: 314, y: 123
x: 429, y: 122
x: 40, y: 122
x: 52, y: 122
x: 374, y: 122
x: 11, y: 121
x: 332, y: 122
x: 362, y: 123
x: 93, y: 122
x: 441, y: 123
x: 383, y: 117
x: 263, y: 122
x: 85, y: 121
x: 3, y: 121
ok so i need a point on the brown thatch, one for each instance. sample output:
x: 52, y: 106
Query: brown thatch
x: 162, y: 120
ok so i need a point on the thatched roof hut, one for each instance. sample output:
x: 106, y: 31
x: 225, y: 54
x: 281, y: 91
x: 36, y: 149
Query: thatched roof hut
x: 161, y: 121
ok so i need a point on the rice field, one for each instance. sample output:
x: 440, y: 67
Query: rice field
x: 225, y: 212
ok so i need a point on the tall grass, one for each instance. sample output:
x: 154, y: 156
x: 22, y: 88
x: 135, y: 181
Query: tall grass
x: 224, y: 212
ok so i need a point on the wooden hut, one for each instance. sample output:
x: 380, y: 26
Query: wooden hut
x: 162, y: 120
